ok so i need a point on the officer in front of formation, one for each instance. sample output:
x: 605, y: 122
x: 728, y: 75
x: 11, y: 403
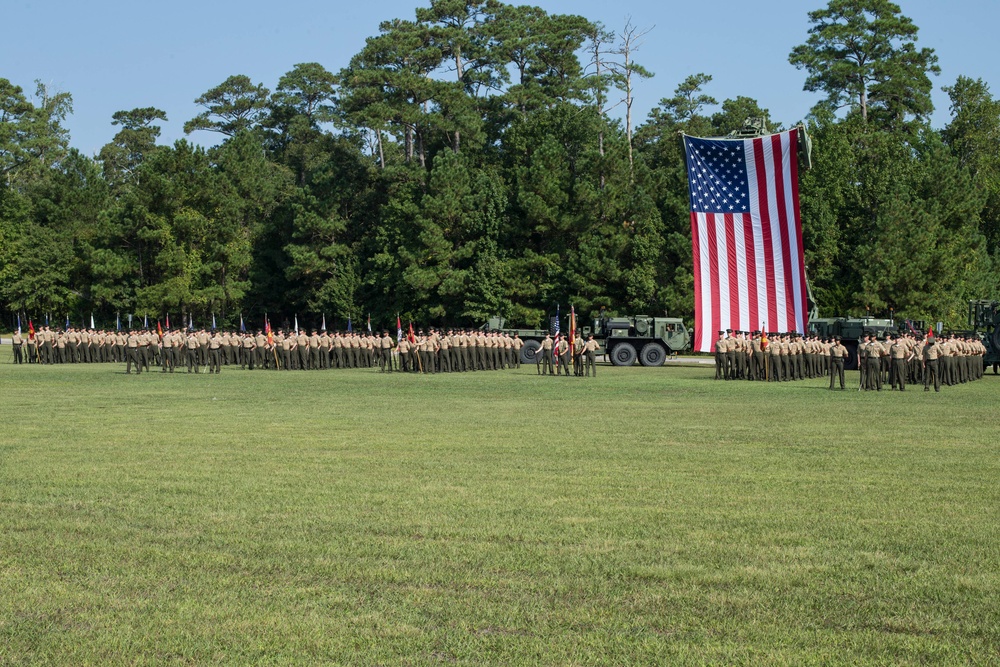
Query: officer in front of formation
x: 590, y: 354
x: 838, y: 354
x: 214, y: 353
x: 900, y: 355
x: 931, y: 370
x: 17, y: 342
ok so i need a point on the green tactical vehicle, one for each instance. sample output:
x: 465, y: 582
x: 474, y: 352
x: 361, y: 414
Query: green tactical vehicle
x: 623, y: 340
x: 984, y: 319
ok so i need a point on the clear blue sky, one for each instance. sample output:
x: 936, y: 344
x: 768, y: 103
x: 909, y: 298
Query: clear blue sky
x: 112, y: 55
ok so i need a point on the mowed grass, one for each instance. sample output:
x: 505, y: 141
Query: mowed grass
x: 648, y: 516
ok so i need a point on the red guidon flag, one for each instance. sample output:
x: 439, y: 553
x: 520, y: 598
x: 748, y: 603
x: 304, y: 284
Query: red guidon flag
x: 746, y: 235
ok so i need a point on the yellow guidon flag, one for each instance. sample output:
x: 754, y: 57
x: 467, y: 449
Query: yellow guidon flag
x: 572, y: 327
x: 763, y: 347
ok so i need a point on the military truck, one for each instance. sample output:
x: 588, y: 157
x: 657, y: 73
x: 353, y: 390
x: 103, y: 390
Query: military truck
x: 984, y: 319
x: 622, y: 340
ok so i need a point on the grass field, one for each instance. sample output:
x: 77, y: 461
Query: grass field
x: 650, y: 516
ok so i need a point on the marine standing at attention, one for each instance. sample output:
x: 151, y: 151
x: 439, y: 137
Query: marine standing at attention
x: 546, y: 351
x: 564, y: 359
x: 590, y: 353
x: 720, y: 357
x: 838, y: 353
x: 899, y: 355
x: 17, y: 342
x: 931, y: 369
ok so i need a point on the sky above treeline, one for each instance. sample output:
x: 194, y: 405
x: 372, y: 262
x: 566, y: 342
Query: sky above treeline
x: 113, y: 55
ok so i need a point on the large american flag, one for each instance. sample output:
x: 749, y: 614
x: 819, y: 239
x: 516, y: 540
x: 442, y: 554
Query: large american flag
x: 746, y: 234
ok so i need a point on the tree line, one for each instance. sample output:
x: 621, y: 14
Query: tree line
x: 485, y: 159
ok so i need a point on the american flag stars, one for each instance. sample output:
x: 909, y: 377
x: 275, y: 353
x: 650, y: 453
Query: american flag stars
x: 718, y: 177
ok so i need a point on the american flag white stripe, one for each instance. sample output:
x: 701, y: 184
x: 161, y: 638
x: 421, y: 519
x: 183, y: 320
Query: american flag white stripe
x: 746, y: 235
x: 777, y: 295
x: 722, y: 259
x: 743, y: 295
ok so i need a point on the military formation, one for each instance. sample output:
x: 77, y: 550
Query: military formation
x: 891, y: 361
x: 453, y: 351
x: 436, y: 351
x: 770, y: 357
x: 908, y: 359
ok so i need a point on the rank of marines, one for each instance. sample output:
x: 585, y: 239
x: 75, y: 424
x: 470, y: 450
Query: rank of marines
x: 203, y: 350
x: 892, y: 361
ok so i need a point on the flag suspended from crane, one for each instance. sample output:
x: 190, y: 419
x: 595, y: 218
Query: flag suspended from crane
x: 746, y: 234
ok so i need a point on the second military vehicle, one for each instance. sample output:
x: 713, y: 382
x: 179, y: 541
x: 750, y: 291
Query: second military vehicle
x: 623, y: 340
x: 984, y: 319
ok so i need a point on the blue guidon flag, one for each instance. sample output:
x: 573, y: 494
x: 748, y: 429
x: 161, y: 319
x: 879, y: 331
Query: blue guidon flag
x: 746, y: 234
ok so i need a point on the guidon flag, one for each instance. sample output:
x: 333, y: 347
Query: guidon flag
x: 746, y: 235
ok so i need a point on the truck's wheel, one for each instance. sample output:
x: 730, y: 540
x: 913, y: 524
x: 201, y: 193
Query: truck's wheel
x: 623, y: 354
x: 529, y: 351
x: 652, y: 354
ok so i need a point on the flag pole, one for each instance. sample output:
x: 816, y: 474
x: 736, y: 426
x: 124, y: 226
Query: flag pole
x: 420, y: 363
x: 767, y: 355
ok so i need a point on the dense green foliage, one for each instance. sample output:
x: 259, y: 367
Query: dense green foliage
x: 259, y: 517
x: 464, y: 164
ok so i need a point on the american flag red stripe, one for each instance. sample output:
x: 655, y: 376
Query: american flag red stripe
x: 746, y: 235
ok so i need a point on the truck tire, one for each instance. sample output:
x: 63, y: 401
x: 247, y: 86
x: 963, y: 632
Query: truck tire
x: 652, y: 354
x: 529, y: 351
x: 622, y: 354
